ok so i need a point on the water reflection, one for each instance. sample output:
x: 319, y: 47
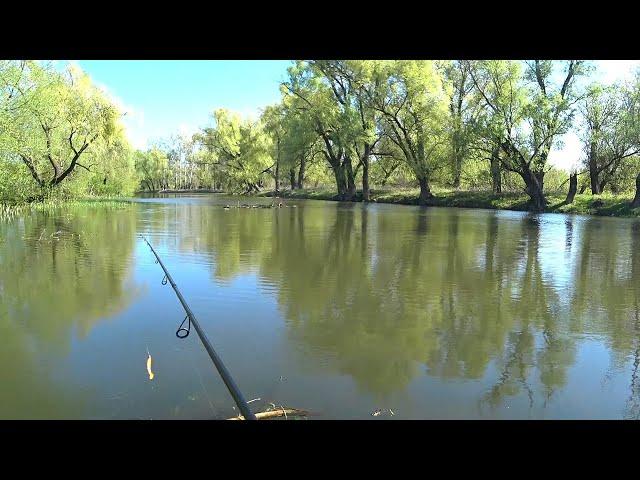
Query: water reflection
x: 382, y: 296
x: 446, y: 312
x: 60, y: 273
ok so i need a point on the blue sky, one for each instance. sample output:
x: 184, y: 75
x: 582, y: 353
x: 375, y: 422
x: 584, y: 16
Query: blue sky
x: 164, y: 97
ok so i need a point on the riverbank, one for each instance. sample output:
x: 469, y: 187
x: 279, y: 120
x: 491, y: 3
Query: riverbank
x: 584, y: 204
x: 8, y: 211
x: 194, y: 190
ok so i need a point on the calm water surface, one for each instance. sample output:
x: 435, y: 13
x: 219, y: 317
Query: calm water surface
x: 340, y: 309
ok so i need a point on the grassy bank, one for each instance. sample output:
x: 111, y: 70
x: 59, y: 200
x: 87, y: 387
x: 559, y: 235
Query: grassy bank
x: 8, y: 211
x: 585, y: 204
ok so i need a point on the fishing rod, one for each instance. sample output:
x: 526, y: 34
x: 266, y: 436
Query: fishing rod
x: 191, y: 318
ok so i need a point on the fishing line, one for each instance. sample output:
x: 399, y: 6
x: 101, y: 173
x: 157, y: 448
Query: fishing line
x: 204, y: 389
x: 184, y: 332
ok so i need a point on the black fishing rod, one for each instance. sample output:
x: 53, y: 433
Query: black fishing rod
x: 222, y: 370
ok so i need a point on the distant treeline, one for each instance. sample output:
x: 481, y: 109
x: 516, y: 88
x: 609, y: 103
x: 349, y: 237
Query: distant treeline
x: 487, y: 125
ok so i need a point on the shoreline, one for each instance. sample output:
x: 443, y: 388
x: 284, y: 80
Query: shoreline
x: 605, y: 205
x: 195, y: 190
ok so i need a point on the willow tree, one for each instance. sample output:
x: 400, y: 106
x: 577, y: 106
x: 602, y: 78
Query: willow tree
x: 353, y: 83
x: 609, y: 132
x: 413, y: 104
x: 311, y: 95
x: 56, y: 120
x: 301, y: 144
x: 634, y: 132
x: 151, y: 166
x: 531, y: 110
x: 388, y: 162
x: 465, y: 108
x: 238, y: 148
x: 635, y: 203
x: 276, y: 126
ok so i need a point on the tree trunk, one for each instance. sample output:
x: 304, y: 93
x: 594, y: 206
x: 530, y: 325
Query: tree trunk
x: 425, y: 191
x: 341, y: 184
x: 457, y: 167
x: 496, y: 174
x: 301, y: 173
x: 351, y: 182
x: 366, y: 191
x: 636, y: 200
x: 277, y: 179
x: 603, y: 183
x: 593, y: 171
x: 573, y: 187
x: 583, y: 188
x: 292, y: 178
x: 535, y: 185
x: 366, y: 194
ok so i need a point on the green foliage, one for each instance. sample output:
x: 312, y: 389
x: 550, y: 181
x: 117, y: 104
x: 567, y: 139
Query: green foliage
x: 473, y: 125
x: 16, y: 185
x: 152, y: 167
x: 238, y: 150
x: 623, y: 179
x: 61, y: 136
x: 586, y: 204
x: 414, y: 107
x: 556, y: 181
x: 610, y: 134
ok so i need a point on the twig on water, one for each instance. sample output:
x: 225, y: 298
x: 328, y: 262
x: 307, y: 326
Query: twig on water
x: 285, y: 412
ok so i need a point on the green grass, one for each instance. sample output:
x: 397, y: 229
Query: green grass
x: 8, y: 211
x: 585, y: 204
x: 606, y: 204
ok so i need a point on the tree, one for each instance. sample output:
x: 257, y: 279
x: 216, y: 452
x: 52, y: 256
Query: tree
x: 300, y: 145
x: 464, y: 106
x: 388, y: 162
x: 56, y: 119
x: 413, y: 104
x: 573, y: 187
x: 353, y: 83
x: 151, y: 166
x: 636, y: 200
x: 239, y: 149
x: 529, y: 111
x: 275, y: 126
x: 609, y: 132
x: 308, y: 92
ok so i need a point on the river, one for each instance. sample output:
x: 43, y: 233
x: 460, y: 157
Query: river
x: 338, y: 309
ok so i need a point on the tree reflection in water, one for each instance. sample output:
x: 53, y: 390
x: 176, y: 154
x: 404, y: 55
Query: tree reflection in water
x: 381, y: 293
x: 60, y: 273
